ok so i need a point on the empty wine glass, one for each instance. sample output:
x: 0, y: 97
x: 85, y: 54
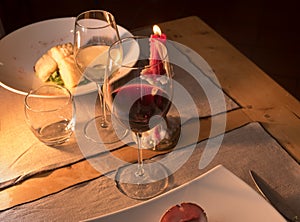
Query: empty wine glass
x: 139, y: 93
x: 94, y: 32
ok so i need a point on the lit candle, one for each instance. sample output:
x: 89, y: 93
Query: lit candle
x: 155, y: 53
x: 158, y: 35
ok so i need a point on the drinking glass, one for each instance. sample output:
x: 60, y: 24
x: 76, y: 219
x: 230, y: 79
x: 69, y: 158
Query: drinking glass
x: 50, y: 113
x: 138, y: 93
x: 94, y: 32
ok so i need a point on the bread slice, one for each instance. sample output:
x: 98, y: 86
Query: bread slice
x: 45, y: 66
x: 69, y: 72
x: 59, y: 52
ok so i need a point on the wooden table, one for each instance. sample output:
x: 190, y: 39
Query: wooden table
x: 259, y: 97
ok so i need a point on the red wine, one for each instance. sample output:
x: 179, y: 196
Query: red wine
x: 135, y: 105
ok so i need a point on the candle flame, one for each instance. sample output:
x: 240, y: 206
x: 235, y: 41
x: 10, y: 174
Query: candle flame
x: 156, y: 30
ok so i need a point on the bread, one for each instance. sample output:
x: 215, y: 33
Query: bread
x: 69, y: 72
x: 60, y: 52
x: 59, y: 58
x: 45, y: 66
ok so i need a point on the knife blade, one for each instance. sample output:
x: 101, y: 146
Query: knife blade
x: 274, y: 198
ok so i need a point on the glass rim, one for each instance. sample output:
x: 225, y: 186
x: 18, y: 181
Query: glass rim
x: 31, y: 94
x: 77, y: 18
x: 121, y: 40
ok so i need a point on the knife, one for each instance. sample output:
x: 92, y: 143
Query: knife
x: 274, y: 198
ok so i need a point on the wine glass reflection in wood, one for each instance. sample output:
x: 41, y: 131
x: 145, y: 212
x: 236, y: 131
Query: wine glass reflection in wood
x: 94, y: 32
x: 139, y: 94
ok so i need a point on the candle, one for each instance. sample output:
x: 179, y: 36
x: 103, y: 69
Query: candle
x: 155, y: 53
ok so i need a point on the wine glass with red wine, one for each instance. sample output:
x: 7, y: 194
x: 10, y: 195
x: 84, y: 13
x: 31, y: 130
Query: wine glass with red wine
x: 139, y: 91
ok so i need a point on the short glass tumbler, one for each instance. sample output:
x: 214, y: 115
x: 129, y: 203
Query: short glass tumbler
x: 50, y: 113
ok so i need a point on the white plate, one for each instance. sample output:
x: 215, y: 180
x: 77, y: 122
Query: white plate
x: 222, y: 195
x: 20, y: 50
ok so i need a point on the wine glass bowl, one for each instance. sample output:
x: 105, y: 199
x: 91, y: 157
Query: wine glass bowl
x: 139, y: 94
x: 95, y: 31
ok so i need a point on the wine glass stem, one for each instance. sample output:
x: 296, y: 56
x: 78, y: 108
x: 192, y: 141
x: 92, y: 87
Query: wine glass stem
x: 140, y: 170
x: 103, y: 122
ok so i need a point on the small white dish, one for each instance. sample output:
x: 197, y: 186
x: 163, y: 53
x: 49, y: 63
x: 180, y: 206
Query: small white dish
x: 20, y: 50
x: 222, y: 195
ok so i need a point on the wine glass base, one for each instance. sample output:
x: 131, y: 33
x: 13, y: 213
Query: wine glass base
x: 153, y: 182
x: 104, y: 135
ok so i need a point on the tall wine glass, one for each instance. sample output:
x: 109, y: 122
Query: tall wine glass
x: 94, y: 32
x: 139, y: 93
